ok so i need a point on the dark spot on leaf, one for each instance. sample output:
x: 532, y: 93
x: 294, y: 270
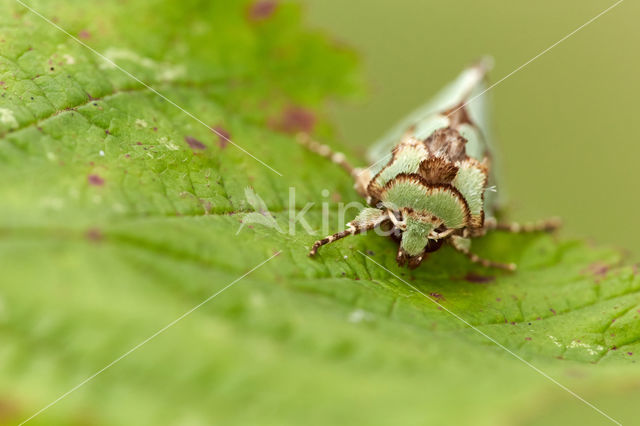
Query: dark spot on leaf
x: 223, y: 136
x: 527, y: 338
x: 370, y: 253
x: 51, y: 68
x: 553, y: 311
x: 107, y: 131
x: 9, y: 411
x: 479, y: 279
x: 294, y: 119
x: 94, y: 234
x: 437, y: 296
x: 85, y: 34
x: 194, y: 143
x: 614, y: 348
x: 629, y: 353
x: 261, y: 9
x: 598, y: 269
x: 95, y: 180
x: 155, y: 129
x: 498, y: 299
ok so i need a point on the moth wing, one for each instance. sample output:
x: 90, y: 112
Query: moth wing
x: 469, y: 84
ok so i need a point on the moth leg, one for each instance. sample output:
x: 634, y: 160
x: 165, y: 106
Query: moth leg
x: 351, y: 230
x: 548, y: 225
x: 325, y: 151
x: 463, y: 246
x: 359, y: 175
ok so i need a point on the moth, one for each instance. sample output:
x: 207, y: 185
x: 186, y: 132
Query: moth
x: 435, y: 185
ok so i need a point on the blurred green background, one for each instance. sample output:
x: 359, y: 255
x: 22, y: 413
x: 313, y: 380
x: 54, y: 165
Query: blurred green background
x: 566, y: 124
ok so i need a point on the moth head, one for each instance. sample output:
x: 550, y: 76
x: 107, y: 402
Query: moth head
x: 418, y: 233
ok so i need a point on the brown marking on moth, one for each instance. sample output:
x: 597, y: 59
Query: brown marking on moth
x: 95, y: 180
x: 419, y: 180
x: 294, y: 119
x: 374, y: 192
x: 194, y: 143
x: 84, y: 34
x: 223, y: 136
x: 479, y: 279
x: 94, y: 235
x: 437, y: 170
x: 447, y: 143
x: 477, y: 221
x: 458, y: 115
x: 261, y: 9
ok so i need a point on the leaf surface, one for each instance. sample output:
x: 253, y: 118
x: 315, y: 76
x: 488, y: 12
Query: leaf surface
x: 119, y: 213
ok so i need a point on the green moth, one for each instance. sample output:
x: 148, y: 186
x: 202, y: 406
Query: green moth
x: 434, y: 186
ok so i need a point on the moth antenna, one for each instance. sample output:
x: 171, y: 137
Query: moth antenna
x: 352, y: 230
x: 325, y: 151
x: 548, y: 225
x: 479, y: 260
x: 489, y: 263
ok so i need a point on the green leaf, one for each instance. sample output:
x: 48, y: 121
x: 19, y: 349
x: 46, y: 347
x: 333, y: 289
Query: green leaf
x: 119, y: 213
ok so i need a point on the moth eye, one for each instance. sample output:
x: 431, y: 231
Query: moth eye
x: 386, y: 226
